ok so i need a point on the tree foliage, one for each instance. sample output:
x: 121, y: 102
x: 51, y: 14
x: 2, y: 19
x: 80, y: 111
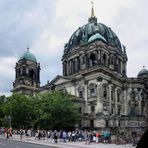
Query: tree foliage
x: 56, y: 110
x: 18, y: 107
x: 2, y: 100
x: 52, y: 110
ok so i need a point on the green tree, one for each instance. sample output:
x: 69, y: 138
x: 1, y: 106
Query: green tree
x: 56, y: 110
x: 18, y: 107
x: 2, y: 100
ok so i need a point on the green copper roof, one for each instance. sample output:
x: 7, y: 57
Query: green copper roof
x: 83, y: 35
x: 95, y: 37
x: 28, y: 56
x: 143, y: 73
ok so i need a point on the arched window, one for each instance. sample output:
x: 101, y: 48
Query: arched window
x: 74, y: 66
x: 112, y: 94
x: 78, y: 63
x: 83, y: 60
x: 92, y: 90
x: 112, y: 60
x: 118, y: 95
x: 104, y: 60
x: 104, y: 91
x: 93, y: 60
x: 24, y: 71
x: 31, y: 73
x: 132, y: 107
x: 81, y: 91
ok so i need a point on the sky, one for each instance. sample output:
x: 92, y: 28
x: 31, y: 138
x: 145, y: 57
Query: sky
x: 46, y: 25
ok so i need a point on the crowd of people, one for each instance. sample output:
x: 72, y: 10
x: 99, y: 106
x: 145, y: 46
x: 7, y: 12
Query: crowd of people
x: 62, y: 135
x: 76, y: 135
x: 68, y: 136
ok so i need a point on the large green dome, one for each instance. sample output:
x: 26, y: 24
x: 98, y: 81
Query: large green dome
x: 28, y: 56
x: 83, y: 35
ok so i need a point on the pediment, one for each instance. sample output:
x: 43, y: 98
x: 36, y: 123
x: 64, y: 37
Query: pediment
x: 59, y: 80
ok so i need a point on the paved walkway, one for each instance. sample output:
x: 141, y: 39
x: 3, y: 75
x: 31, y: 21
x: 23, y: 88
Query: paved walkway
x: 60, y: 144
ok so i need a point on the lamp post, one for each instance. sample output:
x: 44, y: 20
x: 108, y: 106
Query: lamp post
x: 10, y: 114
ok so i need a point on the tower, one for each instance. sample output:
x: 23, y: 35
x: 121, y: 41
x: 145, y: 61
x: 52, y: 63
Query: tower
x: 27, y: 74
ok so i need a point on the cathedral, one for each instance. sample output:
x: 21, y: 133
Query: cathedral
x: 95, y: 72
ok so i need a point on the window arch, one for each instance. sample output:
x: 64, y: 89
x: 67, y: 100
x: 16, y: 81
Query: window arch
x: 93, y: 60
x: 104, y: 59
x: 92, y: 90
x: 119, y: 95
x: 112, y: 60
x: 81, y: 91
x: 132, y: 107
x: 105, y: 91
x: 112, y: 93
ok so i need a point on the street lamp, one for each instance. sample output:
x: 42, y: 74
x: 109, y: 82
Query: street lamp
x: 10, y: 114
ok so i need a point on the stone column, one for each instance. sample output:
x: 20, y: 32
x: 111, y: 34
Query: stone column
x: 70, y: 71
x: 78, y: 63
x: 99, y: 106
x: 109, y: 97
x: 125, y: 101
x: 115, y: 100
x: 86, y: 95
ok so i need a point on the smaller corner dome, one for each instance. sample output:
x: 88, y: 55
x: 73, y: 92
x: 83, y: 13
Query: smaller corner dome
x: 143, y: 73
x: 95, y: 37
x: 28, y: 56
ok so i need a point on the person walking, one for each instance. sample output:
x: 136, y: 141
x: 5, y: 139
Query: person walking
x: 64, y: 136
x: 10, y: 133
x: 88, y: 138
x: 21, y: 134
x: 97, y: 137
x: 7, y: 133
x: 55, y: 136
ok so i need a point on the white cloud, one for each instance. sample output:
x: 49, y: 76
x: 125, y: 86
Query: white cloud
x: 47, y: 25
x: 131, y: 26
x: 47, y: 44
x: 6, y: 74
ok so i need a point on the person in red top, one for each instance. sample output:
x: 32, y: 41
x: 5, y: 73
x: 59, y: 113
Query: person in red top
x: 97, y: 137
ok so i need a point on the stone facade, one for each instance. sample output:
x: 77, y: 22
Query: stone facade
x: 95, y: 72
x: 107, y: 97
